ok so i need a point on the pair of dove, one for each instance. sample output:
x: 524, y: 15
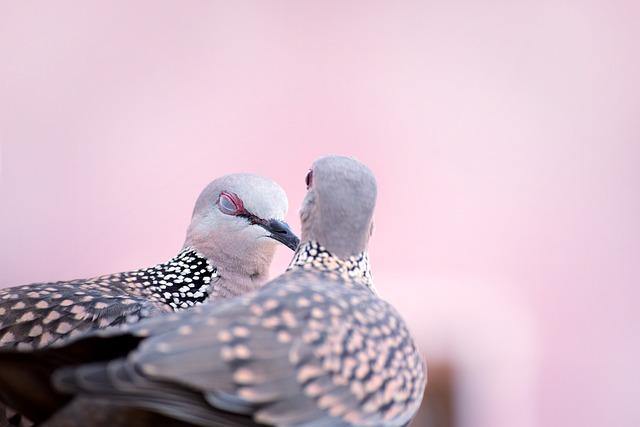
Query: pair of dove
x: 314, y: 347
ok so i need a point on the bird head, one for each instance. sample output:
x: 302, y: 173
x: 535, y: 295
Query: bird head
x: 238, y: 221
x: 337, y: 211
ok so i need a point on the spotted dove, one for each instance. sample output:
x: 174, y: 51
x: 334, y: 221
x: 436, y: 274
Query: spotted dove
x: 314, y: 347
x: 236, y: 225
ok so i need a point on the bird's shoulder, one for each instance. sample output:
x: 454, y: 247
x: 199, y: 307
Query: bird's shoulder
x: 41, y: 314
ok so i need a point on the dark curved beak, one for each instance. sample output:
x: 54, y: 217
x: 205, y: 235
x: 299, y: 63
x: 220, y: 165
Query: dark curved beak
x: 280, y: 231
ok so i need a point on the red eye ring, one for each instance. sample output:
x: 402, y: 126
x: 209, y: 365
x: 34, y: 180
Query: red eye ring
x: 230, y: 204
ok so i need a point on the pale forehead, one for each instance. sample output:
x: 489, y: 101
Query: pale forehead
x: 339, y: 163
x: 261, y: 196
x: 329, y: 169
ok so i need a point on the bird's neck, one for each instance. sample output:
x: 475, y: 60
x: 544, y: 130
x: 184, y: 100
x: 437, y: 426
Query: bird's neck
x: 229, y: 284
x: 311, y: 255
x: 181, y: 282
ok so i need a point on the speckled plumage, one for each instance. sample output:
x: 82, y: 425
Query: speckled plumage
x: 314, y: 347
x: 225, y: 254
x: 40, y: 314
x: 313, y: 256
x: 310, y: 345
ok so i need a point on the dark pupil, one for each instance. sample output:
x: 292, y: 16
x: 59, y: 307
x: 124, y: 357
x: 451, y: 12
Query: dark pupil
x: 307, y: 179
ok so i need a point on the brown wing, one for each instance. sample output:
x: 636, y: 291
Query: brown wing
x: 306, y: 351
x: 41, y: 314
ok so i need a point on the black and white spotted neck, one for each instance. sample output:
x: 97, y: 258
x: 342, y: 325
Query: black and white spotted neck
x: 181, y: 282
x: 312, y: 255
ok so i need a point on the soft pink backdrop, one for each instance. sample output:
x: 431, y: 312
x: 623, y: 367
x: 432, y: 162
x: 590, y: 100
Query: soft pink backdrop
x: 505, y: 138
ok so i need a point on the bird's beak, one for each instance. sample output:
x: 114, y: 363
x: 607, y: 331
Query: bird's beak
x: 280, y: 231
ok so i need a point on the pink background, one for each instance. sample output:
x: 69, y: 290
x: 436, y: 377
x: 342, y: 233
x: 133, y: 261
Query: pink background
x: 504, y: 135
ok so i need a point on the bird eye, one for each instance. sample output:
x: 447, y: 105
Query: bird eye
x: 309, y: 179
x: 229, y: 203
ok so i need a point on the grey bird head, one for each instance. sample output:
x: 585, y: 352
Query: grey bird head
x: 337, y: 211
x: 238, y: 221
